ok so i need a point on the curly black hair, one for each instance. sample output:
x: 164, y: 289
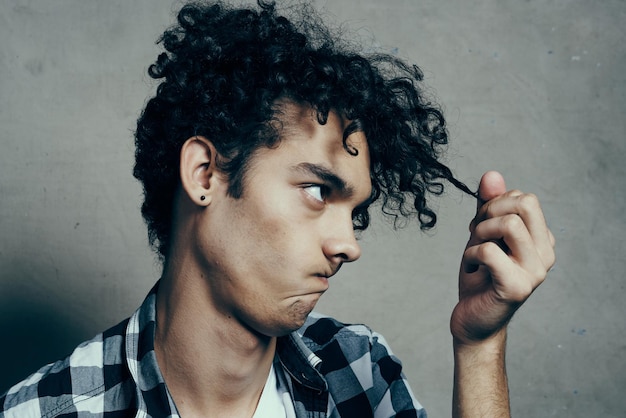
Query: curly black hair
x: 225, y: 71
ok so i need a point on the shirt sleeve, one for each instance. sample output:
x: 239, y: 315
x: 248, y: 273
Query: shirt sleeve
x: 364, y: 377
x: 397, y: 399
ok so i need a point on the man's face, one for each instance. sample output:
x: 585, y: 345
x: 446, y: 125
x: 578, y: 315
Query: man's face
x: 269, y: 253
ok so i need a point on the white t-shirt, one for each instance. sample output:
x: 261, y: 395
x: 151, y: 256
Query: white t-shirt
x: 275, y: 399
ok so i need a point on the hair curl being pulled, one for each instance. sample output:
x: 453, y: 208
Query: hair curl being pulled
x: 225, y: 71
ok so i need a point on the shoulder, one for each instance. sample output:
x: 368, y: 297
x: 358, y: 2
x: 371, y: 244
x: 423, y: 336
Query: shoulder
x: 321, y: 332
x: 77, y: 383
x: 361, y: 370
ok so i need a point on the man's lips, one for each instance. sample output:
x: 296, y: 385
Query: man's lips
x: 330, y: 271
x: 324, y: 280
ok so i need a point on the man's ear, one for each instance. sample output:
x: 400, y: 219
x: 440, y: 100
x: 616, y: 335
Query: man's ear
x: 198, y: 173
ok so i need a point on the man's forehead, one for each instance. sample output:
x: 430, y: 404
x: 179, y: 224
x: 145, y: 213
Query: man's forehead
x: 293, y: 118
x: 296, y: 120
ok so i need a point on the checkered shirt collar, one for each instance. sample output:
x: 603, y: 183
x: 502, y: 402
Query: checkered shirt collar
x: 153, y: 397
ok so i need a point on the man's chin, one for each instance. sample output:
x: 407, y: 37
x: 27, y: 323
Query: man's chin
x: 297, y: 320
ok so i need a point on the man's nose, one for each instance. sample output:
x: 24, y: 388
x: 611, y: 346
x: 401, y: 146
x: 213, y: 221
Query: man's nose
x: 340, y: 244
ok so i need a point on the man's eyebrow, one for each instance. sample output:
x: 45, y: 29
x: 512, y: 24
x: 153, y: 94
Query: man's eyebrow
x: 327, y: 176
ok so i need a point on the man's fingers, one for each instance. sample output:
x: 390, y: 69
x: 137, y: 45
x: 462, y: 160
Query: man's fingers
x: 527, y: 207
x: 510, y: 232
x: 494, y: 208
x: 510, y: 282
x: 491, y: 185
x: 552, y: 239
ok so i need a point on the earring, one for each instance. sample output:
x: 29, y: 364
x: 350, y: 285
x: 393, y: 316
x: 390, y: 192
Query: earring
x: 202, y: 197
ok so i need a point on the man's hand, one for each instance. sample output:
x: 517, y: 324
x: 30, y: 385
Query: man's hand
x: 508, y: 255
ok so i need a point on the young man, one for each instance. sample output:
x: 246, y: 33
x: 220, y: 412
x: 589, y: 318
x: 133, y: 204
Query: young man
x: 260, y: 155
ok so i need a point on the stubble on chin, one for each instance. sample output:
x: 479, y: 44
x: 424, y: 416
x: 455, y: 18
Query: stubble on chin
x: 301, y: 309
x: 293, y: 317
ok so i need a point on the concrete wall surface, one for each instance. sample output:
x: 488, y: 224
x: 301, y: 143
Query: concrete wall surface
x: 535, y: 89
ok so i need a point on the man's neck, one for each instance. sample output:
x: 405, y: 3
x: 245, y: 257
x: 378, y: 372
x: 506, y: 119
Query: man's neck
x: 213, y: 365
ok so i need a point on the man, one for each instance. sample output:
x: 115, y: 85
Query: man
x: 260, y: 154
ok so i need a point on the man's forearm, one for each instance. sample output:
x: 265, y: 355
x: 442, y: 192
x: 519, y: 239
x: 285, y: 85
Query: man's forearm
x: 480, y: 382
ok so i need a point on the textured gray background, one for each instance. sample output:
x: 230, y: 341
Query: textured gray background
x: 536, y: 89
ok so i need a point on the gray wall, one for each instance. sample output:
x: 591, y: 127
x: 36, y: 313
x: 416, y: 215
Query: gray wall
x: 534, y: 89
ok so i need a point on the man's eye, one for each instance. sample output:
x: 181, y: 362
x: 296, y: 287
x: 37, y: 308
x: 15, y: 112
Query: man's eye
x: 317, y: 191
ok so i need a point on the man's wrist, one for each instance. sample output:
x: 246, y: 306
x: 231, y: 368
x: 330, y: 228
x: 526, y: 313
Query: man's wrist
x: 480, y: 381
x: 486, y: 349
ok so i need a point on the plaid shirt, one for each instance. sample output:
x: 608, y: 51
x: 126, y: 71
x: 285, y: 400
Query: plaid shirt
x: 333, y: 370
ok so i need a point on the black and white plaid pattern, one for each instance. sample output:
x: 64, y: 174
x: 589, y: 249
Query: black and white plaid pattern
x: 333, y: 370
x: 363, y: 376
